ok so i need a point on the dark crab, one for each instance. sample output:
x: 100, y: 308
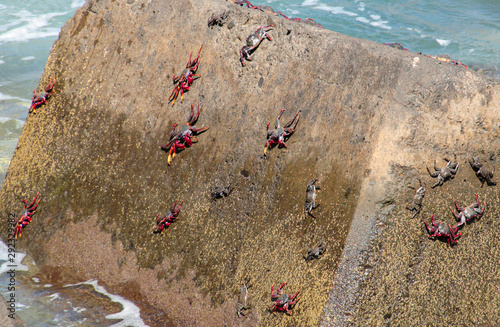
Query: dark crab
x: 443, y: 230
x: 220, y: 192
x: 242, y: 305
x: 25, y: 219
x: 316, y: 252
x: 185, y: 79
x: 280, y: 134
x: 446, y: 173
x: 165, y: 221
x: 41, y: 98
x: 185, y: 137
x: 469, y: 213
x: 310, y: 203
x: 283, y: 302
x: 416, y: 204
x: 253, y: 42
x: 483, y: 173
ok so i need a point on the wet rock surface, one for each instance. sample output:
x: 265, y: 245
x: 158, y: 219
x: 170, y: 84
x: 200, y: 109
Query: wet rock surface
x: 372, y: 118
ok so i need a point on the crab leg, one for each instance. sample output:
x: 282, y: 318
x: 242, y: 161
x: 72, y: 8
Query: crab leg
x: 174, y: 94
x: 291, y: 121
x: 31, y: 204
x: 277, y: 123
x: 195, y: 59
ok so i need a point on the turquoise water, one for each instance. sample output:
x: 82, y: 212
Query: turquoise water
x: 466, y: 30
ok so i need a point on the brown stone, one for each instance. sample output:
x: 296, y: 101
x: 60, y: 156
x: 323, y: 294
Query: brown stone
x: 372, y: 119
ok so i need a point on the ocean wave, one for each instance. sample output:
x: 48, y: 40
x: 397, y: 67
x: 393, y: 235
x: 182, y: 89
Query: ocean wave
x: 310, y: 2
x: 77, y: 3
x: 19, y: 123
x: 363, y: 20
x: 381, y: 24
x: 29, y: 27
x: 7, y: 265
x: 443, y: 43
x: 4, y: 97
x: 335, y: 10
x: 361, y: 6
x: 130, y: 314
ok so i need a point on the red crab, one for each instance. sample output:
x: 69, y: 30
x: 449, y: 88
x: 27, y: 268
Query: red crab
x: 186, y: 78
x: 253, y: 42
x: 40, y: 98
x: 282, y: 301
x: 165, y: 221
x: 185, y: 137
x: 280, y: 134
x: 469, y: 213
x: 443, y: 230
x: 25, y: 219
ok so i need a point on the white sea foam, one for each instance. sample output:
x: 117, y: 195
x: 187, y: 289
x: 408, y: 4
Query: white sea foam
x: 310, y: 2
x: 16, y: 259
x: 77, y: 3
x: 28, y: 58
x: 29, y: 27
x: 381, y: 24
x: 416, y: 30
x: 2, y: 62
x: 335, y: 10
x: 361, y: 6
x: 130, y: 314
x: 363, y: 20
x: 9, y: 97
x: 443, y: 43
x: 53, y: 297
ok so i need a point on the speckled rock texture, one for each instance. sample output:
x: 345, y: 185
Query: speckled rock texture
x: 372, y: 118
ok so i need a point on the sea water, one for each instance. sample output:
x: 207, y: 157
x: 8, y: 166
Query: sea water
x: 41, y: 304
x: 465, y: 30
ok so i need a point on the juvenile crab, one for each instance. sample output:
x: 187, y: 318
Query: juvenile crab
x: 186, y: 78
x: 483, y: 173
x: 40, y: 98
x: 316, y: 252
x: 280, y: 134
x: 282, y: 302
x: 185, y: 137
x: 253, y: 42
x: 469, y: 213
x: 220, y: 192
x: 242, y: 304
x: 25, y: 219
x: 445, y: 173
x: 416, y: 205
x: 443, y: 230
x: 165, y: 221
x: 310, y: 203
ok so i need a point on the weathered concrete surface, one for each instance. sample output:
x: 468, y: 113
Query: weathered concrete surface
x: 372, y: 118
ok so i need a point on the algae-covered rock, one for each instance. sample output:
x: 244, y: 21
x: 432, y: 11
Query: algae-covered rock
x: 372, y: 118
